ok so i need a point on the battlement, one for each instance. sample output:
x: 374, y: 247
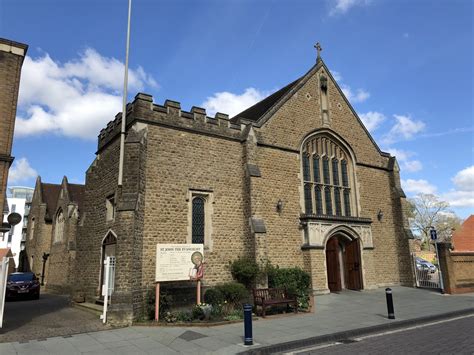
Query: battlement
x: 143, y: 109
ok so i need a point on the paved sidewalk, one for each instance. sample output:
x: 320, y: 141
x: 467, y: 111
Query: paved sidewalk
x: 347, y: 311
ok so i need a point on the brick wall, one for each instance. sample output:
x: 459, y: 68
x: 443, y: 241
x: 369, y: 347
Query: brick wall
x: 63, y: 250
x: 11, y: 61
x: 457, y: 269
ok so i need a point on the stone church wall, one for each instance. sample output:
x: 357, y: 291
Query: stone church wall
x: 101, y: 182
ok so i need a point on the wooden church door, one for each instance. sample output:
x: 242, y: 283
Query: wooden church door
x: 353, y: 271
x: 332, y: 264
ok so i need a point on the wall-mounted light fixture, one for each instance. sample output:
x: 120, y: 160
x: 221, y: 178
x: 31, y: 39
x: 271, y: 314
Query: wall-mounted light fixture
x: 380, y: 215
x: 279, y: 206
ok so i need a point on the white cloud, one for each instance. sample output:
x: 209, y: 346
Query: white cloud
x: 76, y: 98
x: 21, y: 171
x: 372, y: 120
x: 412, y: 166
x: 463, y: 193
x: 418, y: 186
x: 464, y: 179
x: 232, y: 104
x: 403, y: 157
x: 343, y: 6
x: 404, y: 128
x: 359, y: 96
x: 459, y: 198
x: 336, y: 75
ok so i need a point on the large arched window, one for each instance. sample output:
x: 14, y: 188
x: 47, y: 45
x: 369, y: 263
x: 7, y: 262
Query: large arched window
x: 59, y: 227
x: 327, y: 183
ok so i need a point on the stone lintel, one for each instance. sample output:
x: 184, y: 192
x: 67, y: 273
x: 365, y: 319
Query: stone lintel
x: 253, y: 170
x: 144, y: 97
x: 128, y: 202
x: 258, y: 225
x: 13, y: 47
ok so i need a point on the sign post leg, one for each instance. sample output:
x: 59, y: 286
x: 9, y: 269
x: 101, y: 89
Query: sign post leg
x: 157, y: 302
x: 440, y: 275
x: 198, y: 292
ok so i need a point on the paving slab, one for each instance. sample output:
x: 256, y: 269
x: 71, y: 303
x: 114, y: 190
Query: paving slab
x: 346, y: 312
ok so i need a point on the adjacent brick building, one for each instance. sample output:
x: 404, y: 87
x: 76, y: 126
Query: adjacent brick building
x: 12, y: 55
x: 295, y: 180
x: 463, y: 239
x: 51, y: 235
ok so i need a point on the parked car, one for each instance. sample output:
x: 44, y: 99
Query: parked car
x: 22, y: 285
x: 424, y: 265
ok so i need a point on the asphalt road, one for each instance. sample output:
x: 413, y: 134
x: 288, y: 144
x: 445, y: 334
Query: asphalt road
x: 447, y: 337
x: 49, y: 316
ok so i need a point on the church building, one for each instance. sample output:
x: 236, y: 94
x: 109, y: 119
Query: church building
x: 295, y: 180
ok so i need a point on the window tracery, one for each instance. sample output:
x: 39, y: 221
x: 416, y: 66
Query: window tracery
x: 327, y: 184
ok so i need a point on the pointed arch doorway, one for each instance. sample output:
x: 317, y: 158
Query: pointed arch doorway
x: 343, y: 263
x: 108, y: 249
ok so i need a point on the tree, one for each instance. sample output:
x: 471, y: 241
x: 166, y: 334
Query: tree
x: 446, y: 224
x: 428, y: 211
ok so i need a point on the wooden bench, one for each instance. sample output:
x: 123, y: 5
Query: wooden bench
x: 266, y: 297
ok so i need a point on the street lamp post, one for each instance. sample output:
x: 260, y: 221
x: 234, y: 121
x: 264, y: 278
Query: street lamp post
x: 45, y: 258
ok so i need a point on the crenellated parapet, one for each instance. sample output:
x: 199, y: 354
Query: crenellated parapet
x: 170, y: 114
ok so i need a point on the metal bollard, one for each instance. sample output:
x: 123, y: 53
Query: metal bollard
x: 388, y: 295
x: 248, y: 338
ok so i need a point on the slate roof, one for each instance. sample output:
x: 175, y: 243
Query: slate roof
x: 76, y: 194
x: 50, y: 193
x: 463, y: 239
x: 253, y: 113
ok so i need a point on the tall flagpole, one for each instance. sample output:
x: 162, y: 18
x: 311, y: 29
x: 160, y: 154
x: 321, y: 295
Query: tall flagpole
x: 124, y: 101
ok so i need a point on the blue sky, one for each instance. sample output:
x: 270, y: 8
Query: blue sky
x: 406, y: 66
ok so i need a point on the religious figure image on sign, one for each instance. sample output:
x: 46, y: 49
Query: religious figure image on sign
x: 197, y: 272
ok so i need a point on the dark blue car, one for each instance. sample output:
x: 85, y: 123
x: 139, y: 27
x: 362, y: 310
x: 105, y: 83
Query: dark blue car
x: 22, y: 285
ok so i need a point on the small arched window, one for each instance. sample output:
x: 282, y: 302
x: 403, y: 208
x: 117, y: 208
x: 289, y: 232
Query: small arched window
x: 59, y: 227
x: 198, y: 220
x: 327, y: 184
x: 32, y: 228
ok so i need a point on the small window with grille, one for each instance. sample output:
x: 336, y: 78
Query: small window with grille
x: 110, y: 208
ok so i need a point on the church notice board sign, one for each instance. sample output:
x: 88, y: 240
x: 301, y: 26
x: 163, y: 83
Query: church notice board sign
x: 174, y: 262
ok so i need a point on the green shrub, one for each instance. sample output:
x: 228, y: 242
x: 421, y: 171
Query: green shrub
x: 235, y: 315
x: 234, y: 293
x: 197, y: 313
x: 166, y: 301
x: 184, y: 316
x: 294, y: 280
x: 213, y: 296
x: 245, y: 271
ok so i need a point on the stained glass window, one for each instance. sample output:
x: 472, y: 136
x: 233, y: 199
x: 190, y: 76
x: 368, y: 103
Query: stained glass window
x: 337, y: 201
x: 327, y: 179
x: 335, y: 172
x: 316, y: 169
x: 198, y: 220
x: 308, y: 203
x: 347, y: 202
x: 327, y: 189
x: 319, y: 200
x: 345, y: 180
x: 306, y: 174
x: 327, y: 198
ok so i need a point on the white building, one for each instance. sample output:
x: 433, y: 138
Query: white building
x: 19, y: 201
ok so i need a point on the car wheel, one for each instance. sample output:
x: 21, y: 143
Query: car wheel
x: 37, y: 296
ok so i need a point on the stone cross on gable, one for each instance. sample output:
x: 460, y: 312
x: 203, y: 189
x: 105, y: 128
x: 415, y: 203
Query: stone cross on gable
x: 319, y: 49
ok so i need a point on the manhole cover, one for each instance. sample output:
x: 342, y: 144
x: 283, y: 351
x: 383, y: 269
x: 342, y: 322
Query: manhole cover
x: 190, y: 335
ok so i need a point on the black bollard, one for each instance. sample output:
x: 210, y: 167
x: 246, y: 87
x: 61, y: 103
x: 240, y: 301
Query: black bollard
x: 248, y: 337
x: 388, y: 295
